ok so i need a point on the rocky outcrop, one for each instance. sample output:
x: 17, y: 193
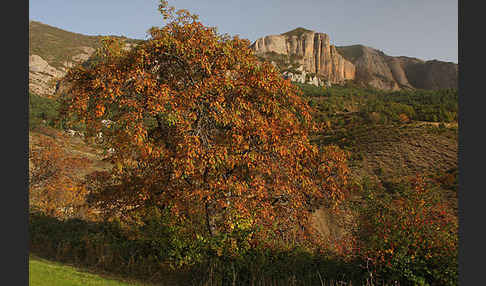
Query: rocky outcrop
x: 307, y: 49
x: 42, y: 76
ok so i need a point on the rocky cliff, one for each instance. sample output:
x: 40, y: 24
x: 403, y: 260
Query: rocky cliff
x: 43, y: 77
x: 307, y: 56
x: 307, y: 49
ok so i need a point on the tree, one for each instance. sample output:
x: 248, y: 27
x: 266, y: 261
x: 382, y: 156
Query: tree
x: 203, y: 129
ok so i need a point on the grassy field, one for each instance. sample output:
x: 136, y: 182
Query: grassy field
x: 43, y: 272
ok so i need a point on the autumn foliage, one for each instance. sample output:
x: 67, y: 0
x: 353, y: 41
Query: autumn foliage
x: 201, y: 129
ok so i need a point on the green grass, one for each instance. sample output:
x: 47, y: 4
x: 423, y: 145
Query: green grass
x: 43, y: 272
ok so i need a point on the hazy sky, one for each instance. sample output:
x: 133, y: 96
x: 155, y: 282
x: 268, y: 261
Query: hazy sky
x: 426, y: 29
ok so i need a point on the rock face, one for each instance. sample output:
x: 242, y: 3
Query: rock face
x: 308, y: 49
x: 381, y: 71
x: 42, y: 76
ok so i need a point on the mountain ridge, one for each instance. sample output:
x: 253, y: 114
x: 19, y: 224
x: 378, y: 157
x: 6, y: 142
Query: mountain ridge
x: 372, y: 67
x: 301, y: 54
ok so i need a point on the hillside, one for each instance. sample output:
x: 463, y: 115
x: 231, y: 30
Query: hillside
x: 58, y: 47
x: 381, y: 71
x: 389, y: 151
x: 52, y: 51
x: 386, y: 152
x: 302, y: 55
x: 400, y: 132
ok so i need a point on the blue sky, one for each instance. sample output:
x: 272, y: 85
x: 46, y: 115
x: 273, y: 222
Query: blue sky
x: 426, y: 29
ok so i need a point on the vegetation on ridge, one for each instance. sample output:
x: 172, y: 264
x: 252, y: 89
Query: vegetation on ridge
x: 56, y: 46
x: 297, y: 32
x: 350, y: 53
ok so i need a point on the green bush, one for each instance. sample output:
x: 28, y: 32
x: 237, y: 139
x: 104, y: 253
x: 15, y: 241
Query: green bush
x: 42, y: 111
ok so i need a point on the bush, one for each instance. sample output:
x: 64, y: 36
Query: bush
x: 409, y: 235
x: 42, y: 111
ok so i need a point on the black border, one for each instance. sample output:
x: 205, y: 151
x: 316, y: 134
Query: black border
x: 471, y: 143
x: 15, y: 75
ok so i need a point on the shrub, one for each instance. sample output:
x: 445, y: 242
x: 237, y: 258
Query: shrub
x: 410, y: 236
x: 42, y: 111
